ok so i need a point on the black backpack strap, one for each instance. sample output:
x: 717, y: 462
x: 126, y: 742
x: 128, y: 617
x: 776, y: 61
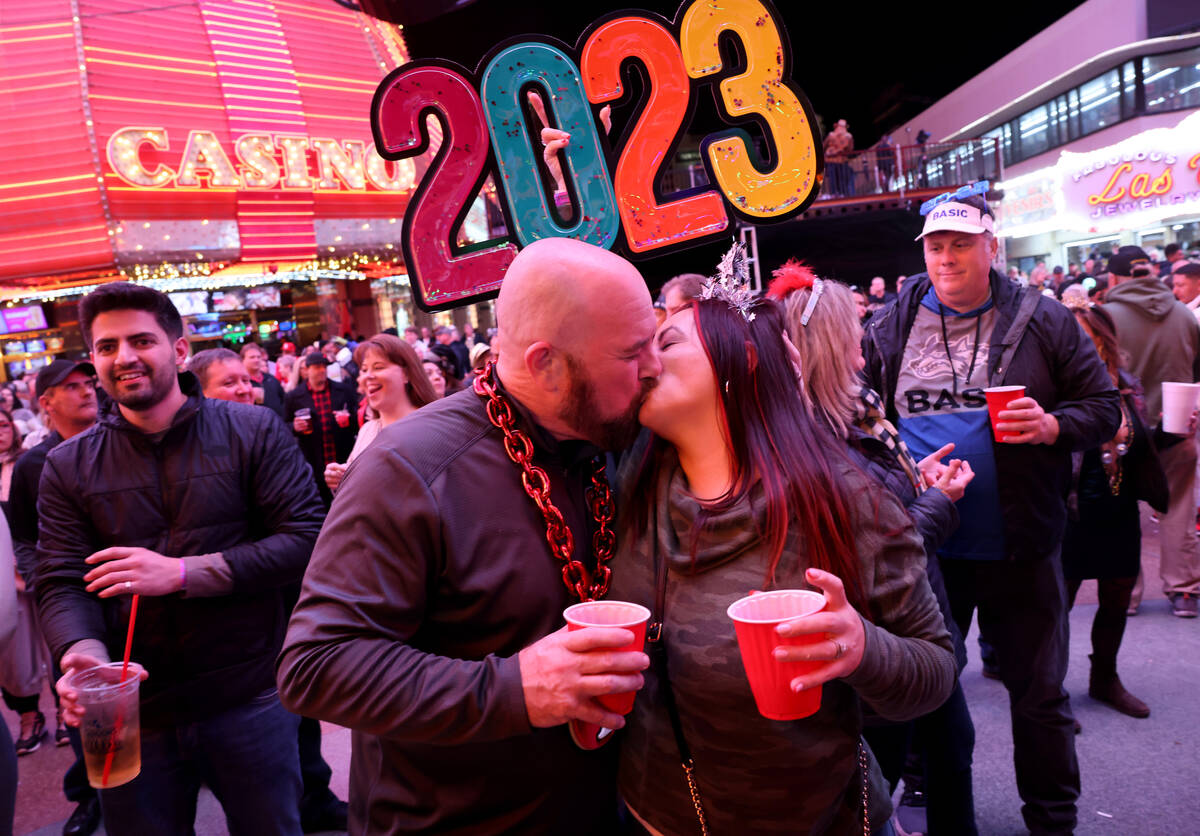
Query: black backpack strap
x: 1012, y: 339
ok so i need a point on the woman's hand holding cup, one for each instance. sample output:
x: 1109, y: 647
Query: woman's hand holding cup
x: 842, y: 626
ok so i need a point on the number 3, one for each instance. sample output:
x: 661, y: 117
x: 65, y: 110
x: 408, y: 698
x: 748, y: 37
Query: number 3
x: 760, y: 91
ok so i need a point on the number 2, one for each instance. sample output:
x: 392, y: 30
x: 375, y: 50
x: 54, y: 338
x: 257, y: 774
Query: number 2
x: 439, y: 277
x: 649, y: 225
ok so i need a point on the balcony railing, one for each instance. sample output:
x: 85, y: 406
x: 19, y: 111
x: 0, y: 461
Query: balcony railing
x: 905, y: 168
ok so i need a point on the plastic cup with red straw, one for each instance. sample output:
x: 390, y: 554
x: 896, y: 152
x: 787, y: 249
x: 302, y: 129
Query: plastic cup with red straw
x: 116, y: 734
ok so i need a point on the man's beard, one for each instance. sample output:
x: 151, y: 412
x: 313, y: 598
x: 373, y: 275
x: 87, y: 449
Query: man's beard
x: 161, y: 380
x: 582, y: 412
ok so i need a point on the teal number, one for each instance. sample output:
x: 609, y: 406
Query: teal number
x: 503, y: 87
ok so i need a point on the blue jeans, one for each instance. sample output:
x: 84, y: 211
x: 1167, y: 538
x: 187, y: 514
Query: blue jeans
x: 246, y: 755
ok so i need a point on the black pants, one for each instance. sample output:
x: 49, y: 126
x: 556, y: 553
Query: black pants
x: 1022, y: 608
x: 75, y: 784
x: 8, y: 781
x: 1108, y: 627
x: 945, y: 740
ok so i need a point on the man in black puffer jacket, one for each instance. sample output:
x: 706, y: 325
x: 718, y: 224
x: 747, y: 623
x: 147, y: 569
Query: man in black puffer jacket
x: 207, y: 510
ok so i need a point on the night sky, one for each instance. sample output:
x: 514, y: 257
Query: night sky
x: 876, y: 67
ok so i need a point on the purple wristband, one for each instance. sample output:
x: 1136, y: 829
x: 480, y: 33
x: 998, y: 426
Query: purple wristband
x: 182, y: 575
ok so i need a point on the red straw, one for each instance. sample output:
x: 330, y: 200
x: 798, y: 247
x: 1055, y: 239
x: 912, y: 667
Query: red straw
x: 112, y: 749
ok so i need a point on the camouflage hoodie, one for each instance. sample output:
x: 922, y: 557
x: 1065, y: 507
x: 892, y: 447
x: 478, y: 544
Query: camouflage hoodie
x: 757, y: 775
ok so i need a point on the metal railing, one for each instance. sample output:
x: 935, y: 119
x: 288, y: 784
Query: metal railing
x: 903, y: 168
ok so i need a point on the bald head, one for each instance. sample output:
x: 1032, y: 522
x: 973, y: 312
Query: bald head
x: 563, y: 292
x: 575, y: 333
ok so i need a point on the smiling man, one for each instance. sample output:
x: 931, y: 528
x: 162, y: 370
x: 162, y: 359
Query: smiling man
x: 205, y: 509
x: 955, y: 330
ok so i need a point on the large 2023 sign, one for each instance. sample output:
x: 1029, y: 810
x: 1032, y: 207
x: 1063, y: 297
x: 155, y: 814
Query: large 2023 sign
x: 487, y: 128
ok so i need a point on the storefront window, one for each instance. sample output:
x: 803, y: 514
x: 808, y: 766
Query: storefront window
x: 1099, y: 102
x: 1153, y: 239
x: 1035, y: 131
x: 1187, y: 235
x: 1081, y: 251
x: 1172, y: 81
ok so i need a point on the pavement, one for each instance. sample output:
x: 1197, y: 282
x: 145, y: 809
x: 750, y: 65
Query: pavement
x: 1140, y: 777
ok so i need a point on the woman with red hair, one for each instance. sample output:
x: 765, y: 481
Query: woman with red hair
x: 738, y: 489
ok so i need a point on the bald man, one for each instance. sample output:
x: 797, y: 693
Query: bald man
x: 430, y: 621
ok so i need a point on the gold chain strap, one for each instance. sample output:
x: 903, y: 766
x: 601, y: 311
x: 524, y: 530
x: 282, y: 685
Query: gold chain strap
x: 583, y: 585
x: 689, y: 769
x: 862, y: 762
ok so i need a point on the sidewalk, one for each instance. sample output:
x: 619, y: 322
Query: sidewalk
x: 1139, y: 776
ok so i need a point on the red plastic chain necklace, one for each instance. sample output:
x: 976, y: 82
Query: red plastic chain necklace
x: 582, y: 584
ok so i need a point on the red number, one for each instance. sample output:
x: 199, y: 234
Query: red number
x: 648, y: 224
x: 439, y: 277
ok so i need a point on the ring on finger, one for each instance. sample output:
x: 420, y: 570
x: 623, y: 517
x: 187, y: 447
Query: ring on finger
x: 128, y: 585
x: 841, y: 649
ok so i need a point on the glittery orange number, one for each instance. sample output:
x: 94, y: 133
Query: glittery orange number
x: 648, y: 224
x: 791, y: 184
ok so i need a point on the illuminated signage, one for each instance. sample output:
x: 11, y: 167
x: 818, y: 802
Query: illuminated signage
x: 1140, y: 180
x: 144, y: 158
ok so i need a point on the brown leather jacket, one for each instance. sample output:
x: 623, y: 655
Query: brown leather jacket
x: 431, y: 573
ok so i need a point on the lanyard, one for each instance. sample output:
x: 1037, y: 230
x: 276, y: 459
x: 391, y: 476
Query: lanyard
x: 974, y: 350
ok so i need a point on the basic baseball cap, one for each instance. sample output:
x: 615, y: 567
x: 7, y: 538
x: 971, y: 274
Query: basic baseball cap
x: 957, y: 217
x: 58, y: 371
x: 1129, y: 259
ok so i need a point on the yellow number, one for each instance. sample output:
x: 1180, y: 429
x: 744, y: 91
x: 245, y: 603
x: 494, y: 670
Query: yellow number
x: 759, y: 91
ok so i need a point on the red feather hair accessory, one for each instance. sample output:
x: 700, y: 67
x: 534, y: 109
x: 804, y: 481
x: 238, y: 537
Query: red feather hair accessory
x: 793, y: 275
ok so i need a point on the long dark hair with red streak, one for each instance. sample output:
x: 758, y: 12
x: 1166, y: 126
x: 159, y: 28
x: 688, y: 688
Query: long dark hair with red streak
x: 775, y: 441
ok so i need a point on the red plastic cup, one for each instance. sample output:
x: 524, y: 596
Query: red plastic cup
x: 755, y: 618
x: 342, y: 417
x: 612, y: 614
x: 998, y: 399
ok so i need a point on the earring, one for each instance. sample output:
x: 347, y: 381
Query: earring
x: 727, y: 387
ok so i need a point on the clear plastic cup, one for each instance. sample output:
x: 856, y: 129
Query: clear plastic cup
x: 111, y: 728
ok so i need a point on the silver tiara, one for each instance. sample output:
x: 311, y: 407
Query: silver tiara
x: 732, y: 283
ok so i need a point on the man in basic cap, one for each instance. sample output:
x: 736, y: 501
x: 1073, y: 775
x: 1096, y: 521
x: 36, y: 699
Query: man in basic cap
x: 954, y: 331
x: 1162, y: 340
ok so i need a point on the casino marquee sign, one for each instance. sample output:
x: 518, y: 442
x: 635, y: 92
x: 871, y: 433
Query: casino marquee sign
x: 256, y: 161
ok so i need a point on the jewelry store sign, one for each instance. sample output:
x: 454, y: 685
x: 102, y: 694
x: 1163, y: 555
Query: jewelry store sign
x: 1138, y: 181
x: 1145, y: 178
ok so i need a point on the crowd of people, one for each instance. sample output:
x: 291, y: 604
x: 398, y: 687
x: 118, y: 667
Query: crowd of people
x: 383, y: 534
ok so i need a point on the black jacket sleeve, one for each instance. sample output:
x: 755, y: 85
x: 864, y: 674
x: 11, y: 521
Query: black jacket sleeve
x: 68, y: 612
x: 286, y: 503
x: 935, y: 516
x: 1089, y: 407
x: 22, y: 512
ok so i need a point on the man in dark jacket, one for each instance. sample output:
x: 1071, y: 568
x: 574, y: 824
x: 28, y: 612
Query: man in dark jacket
x: 326, y: 432
x: 267, y: 390
x: 1162, y: 340
x: 66, y: 391
x: 930, y: 354
x: 204, y: 509
x: 429, y: 621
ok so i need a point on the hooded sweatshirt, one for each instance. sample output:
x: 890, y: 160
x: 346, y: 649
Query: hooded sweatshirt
x: 1158, y: 333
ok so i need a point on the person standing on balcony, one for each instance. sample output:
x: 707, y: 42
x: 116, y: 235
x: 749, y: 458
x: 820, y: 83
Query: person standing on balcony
x: 839, y: 146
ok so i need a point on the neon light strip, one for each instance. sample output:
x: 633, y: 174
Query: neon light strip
x: 149, y: 55
x: 156, y: 102
x: 206, y: 73
x: 35, y: 38
x: 32, y: 26
x: 36, y: 245
x: 43, y: 182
